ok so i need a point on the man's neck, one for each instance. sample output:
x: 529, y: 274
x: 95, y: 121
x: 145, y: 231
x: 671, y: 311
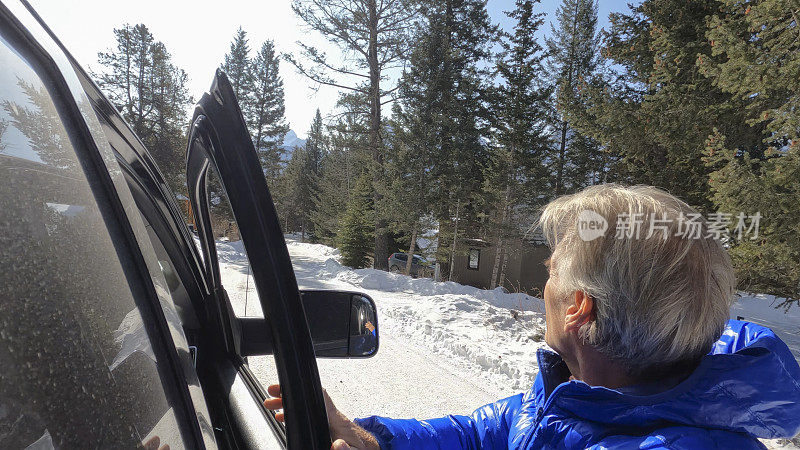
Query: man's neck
x: 594, y: 369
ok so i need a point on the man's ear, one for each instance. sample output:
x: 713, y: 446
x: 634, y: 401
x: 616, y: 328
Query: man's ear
x: 579, y: 312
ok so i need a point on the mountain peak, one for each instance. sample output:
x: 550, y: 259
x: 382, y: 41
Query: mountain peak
x: 290, y: 141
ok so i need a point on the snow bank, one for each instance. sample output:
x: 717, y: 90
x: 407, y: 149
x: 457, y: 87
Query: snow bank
x: 379, y: 280
x: 491, y: 335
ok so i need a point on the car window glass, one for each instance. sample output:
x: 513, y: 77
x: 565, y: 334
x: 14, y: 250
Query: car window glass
x: 77, y: 366
x: 235, y: 271
x: 234, y: 265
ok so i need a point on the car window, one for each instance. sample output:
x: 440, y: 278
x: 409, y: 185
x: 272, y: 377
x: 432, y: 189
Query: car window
x: 234, y: 265
x: 78, y: 368
x: 235, y: 272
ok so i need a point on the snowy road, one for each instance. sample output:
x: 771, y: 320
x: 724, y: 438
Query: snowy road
x: 405, y: 378
x: 402, y: 380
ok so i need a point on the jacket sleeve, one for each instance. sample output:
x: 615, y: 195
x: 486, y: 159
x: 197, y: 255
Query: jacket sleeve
x: 485, y: 429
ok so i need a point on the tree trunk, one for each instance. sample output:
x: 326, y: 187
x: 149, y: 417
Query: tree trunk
x: 411, y: 249
x: 381, y: 260
x: 453, y: 248
x: 561, y: 154
x: 497, y: 255
x: 499, y: 243
x: 503, y: 270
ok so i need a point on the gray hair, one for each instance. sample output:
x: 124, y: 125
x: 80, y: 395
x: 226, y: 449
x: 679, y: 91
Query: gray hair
x: 661, y: 298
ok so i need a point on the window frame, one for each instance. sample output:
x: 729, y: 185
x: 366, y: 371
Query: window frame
x: 469, y: 259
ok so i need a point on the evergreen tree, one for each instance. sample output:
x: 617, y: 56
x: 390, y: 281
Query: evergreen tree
x: 516, y: 176
x: 756, y: 57
x: 39, y: 121
x: 333, y: 192
x: 446, y: 83
x: 373, y: 37
x: 355, y: 235
x: 299, y: 185
x: 151, y: 94
x: 654, y: 108
x: 409, y: 164
x: 573, y: 48
x: 767, y: 260
x: 346, y: 155
x: 761, y: 61
x: 268, y: 126
x: 301, y: 181
x: 170, y: 100
x: 315, y: 145
x: 239, y: 69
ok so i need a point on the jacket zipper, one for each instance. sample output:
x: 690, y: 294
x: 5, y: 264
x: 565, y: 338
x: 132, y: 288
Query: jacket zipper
x: 540, y: 414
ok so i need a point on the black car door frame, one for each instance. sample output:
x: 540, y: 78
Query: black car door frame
x: 218, y: 137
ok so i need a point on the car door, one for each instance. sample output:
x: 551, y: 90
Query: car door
x: 221, y: 160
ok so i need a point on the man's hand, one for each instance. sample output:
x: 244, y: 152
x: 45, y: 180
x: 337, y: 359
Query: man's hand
x: 154, y: 443
x: 345, y: 434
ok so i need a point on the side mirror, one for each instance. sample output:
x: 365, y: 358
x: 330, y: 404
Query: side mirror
x: 342, y: 325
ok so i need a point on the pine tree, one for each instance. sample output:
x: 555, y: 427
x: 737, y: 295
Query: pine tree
x: 39, y: 121
x: 335, y: 183
x: 766, y: 261
x: 346, y: 155
x: 409, y: 162
x: 170, y: 99
x: 756, y: 57
x: 355, y: 235
x: 315, y: 145
x: 301, y: 181
x: 239, y: 69
x: 447, y: 82
x: 516, y: 176
x: 151, y: 94
x: 373, y: 38
x: 655, y: 109
x: 268, y: 126
x: 126, y: 76
x: 298, y: 191
x: 573, y: 48
x: 759, y: 42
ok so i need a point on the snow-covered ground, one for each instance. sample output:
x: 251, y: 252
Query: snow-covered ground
x: 445, y: 348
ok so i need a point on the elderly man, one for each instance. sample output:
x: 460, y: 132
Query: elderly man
x: 645, y: 356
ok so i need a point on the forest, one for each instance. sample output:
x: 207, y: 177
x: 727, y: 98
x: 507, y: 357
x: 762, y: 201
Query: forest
x: 449, y: 126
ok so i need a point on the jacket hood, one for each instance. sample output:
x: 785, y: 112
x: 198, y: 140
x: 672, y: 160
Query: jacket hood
x: 749, y: 383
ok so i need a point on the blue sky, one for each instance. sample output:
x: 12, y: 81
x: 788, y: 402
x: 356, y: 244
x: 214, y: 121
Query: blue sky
x: 496, y: 8
x: 198, y: 33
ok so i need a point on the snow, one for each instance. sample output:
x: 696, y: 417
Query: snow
x: 290, y: 142
x: 445, y: 348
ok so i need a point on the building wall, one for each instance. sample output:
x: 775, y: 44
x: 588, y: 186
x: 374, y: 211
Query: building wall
x: 464, y: 275
x: 533, y: 273
x: 525, y: 271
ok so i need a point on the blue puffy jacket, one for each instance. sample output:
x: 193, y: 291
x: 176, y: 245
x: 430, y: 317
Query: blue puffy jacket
x: 748, y: 386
